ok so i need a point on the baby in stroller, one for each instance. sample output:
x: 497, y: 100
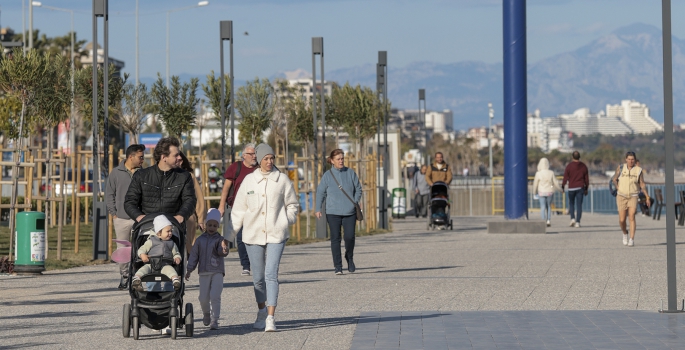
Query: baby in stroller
x: 158, y: 252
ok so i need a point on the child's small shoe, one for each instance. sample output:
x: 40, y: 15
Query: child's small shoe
x: 177, y: 282
x: 206, y: 319
x: 136, y: 284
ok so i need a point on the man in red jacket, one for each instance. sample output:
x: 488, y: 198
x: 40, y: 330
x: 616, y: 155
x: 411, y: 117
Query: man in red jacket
x: 578, y: 182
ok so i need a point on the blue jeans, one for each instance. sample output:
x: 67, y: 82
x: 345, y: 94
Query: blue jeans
x: 242, y: 251
x: 347, y: 223
x: 546, y: 207
x: 575, y: 201
x: 265, y: 260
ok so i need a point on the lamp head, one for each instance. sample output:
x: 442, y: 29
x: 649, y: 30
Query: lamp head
x: 203, y: 3
x: 36, y: 3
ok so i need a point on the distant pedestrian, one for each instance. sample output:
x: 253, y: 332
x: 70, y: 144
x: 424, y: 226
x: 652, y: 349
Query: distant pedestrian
x: 576, y: 175
x: 197, y: 219
x: 629, y: 181
x: 266, y: 204
x: 115, y: 193
x: 421, y: 192
x: 209, y: 251
x: 544, y: 185
x: 234, y: 176
x: 439, y: 171
x: 340, y: 190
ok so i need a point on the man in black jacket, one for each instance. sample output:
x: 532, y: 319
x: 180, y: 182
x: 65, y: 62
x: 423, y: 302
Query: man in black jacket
x: 162, y: 188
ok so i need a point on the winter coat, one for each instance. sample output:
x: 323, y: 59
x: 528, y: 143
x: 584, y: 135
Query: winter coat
x: 444, y: 174
x: 155, y: 246
x: 208, y: 253
x: 155, y: 191
x: 266, y: 204
x: 336, y: 201
x: 545, y: 183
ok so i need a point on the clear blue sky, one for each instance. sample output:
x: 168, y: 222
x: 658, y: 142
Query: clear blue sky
x: 280, y: 31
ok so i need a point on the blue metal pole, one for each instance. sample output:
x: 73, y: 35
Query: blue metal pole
x: 515, y: 109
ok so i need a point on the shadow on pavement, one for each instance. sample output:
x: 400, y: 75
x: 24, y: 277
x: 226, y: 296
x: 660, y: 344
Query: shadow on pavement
x: 52, y: 314
x: 42, y: 302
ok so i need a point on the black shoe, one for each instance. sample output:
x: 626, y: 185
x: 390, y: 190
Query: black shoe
x: 124, y: 283
x: 338, y: 271
x: 350, y: 265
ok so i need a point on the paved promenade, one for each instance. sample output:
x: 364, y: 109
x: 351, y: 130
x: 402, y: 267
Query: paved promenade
x: 571, y: 288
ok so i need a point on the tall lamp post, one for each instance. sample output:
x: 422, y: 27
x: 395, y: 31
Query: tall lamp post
x: 422, y: 117
x: 226, y: 33
x: 199, y: 4
x: 492, y: 115
x: 317, y: 49
x: 382, y: 76
x: 100, y: 9
x: 72, y: 139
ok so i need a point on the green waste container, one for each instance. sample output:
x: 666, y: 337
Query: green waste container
x: 29, y: 236
x: 399, y: 203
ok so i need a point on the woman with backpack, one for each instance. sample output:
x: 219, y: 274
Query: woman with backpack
x: 629, y: 181
x: 341, y: 190
x: 544, y: 185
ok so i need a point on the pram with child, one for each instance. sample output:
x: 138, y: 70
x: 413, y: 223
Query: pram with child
x: 155, y: 301
x: 439, y: 207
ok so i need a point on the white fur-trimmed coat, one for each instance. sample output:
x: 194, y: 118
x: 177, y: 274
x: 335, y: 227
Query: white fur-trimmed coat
x: 264, y: 207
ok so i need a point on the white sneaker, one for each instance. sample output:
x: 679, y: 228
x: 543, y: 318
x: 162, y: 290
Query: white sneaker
x: 165, y: 331
x: 549, y: 223
x: 631, y: 243
x: 573, y: 222
x: 577, y: 224
x: 260, y: 323
x: 270, y: 324
x: 625, y: 239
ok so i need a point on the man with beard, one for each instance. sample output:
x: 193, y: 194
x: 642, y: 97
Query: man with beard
x: 234, y: 176
x: 439, y: 171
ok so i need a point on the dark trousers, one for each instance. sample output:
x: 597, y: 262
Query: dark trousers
x: 421, y: 205
x: 347, y: 223
x: 242, y: 251
x: 575, y: 200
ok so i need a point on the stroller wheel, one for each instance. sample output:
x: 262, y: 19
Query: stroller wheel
x: 189, y: 320
x: 174, y: 327
x: 126, y: 321
x: 136, y: 327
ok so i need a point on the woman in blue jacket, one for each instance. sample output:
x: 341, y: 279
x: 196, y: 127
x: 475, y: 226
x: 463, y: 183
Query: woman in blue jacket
x: 340, y: 210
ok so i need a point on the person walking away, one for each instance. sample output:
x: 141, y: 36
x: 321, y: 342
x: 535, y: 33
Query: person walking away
x: 163, y: 187
x: 545, y: 184
x: 576, y: 175
x: 234, y: 175
x: 115, y: 193
x: 197, y: 219
x: 161, y: 247
x: 337, y: 187
x: 422, y: 191
x: 439, y: 171
x: 209, y: 252
x: 266, y: 204
x: 629, y: 181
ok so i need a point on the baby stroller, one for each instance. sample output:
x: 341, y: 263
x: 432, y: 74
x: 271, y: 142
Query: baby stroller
x: 439, y: 207
x: 158, y: 305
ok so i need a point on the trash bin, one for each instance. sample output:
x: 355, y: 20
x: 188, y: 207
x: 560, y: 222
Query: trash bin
x: 30, y: 242
x: 399, y: 203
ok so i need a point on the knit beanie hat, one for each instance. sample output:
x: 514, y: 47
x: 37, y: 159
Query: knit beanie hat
x: 213, y: 214
x: 161, y: 222
x: 262, y: 151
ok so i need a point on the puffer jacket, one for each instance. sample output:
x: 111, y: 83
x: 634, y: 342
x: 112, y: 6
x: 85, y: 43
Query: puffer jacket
x: 155, y: 191
x: 208, y: 253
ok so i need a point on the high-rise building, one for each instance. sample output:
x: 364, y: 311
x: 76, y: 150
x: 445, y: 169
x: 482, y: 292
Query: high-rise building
x: 636, y: 115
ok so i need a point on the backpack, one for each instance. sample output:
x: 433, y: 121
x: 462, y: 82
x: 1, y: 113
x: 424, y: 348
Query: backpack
x: 612, y: 188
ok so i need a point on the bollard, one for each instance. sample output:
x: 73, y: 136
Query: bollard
x: 30, y: 243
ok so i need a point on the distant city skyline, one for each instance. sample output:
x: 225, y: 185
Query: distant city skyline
x: 279, y: 32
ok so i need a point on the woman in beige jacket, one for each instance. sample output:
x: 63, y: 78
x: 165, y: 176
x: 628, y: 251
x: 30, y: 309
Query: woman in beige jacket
x: 544, y: 185
x: 198, y: 218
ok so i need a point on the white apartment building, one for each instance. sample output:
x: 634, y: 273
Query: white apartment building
x: 440, y: 122
x: 636, y: 115
x: 306, y: 87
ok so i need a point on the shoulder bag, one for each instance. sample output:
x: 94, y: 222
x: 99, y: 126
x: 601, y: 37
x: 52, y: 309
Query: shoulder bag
x: 360, y: 214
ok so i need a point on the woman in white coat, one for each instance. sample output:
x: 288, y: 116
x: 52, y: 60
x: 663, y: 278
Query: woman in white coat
x: 544, y: 185
x: 266, y: 204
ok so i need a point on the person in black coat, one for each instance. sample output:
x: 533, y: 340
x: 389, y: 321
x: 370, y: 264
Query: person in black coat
x: 162, y: 188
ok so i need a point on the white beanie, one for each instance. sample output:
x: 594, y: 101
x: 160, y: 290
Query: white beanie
x: 161, y: 222
x: 213, y: 214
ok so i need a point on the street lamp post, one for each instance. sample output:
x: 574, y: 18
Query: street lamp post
x: 72, y: 138
x: 492, y: 115
x: 317, y: 49
x: 199, y: 4
x: 382, y: 74
x: 30, y: 26
x: 226, y: 33
x: 422, y: 97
